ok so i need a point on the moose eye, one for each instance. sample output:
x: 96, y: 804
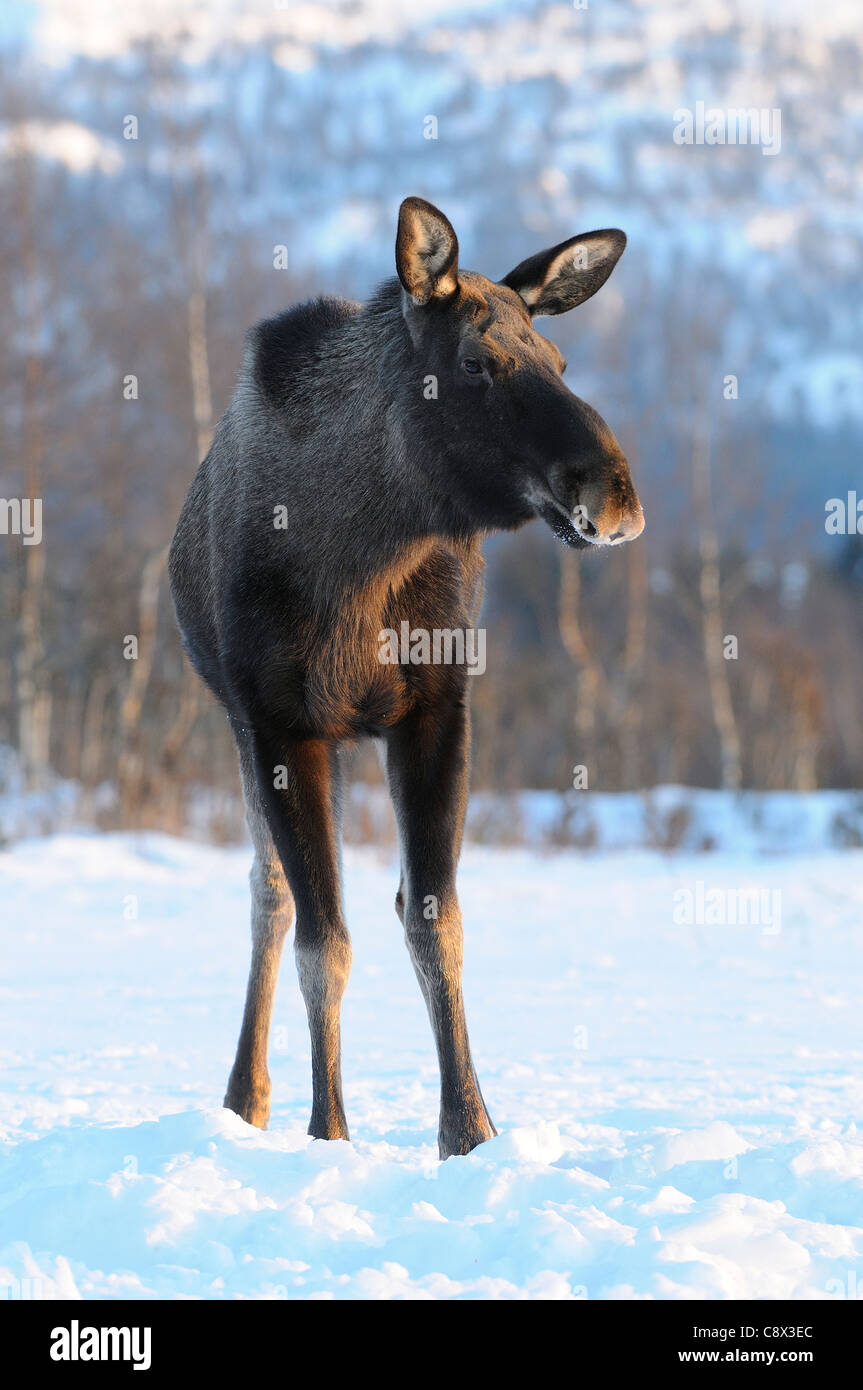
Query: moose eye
x: 471, y: 366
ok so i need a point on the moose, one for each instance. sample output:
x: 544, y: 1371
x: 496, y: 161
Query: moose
x: 367, y: 451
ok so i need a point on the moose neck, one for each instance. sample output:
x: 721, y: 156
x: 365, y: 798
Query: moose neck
x: 393, y: 500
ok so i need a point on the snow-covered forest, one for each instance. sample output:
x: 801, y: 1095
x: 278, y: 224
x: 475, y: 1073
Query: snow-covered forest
x: 170, y: 173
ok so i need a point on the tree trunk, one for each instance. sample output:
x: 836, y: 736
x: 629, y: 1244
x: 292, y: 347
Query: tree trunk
x: 579, y: 648
x: 32, y: 688
x: 131, y: 762
x: 711, y: 617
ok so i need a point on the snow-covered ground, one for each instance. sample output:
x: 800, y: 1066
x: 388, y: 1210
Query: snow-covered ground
x: 676, y: 1097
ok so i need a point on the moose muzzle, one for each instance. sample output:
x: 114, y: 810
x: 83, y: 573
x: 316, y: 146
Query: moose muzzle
x: 608, y: 512
x: 590, y: 483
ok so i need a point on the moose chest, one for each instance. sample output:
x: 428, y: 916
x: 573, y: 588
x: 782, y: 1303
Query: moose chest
x: 405, y: 643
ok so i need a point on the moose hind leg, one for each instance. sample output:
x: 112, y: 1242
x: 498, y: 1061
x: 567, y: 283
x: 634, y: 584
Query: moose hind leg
x: 248, y: 1090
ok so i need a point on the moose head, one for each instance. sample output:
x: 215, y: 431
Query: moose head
x: 517, y: 443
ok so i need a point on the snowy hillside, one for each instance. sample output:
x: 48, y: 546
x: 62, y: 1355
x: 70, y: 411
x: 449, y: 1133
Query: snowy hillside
x: 677, y: 1104
x: 312, y: 120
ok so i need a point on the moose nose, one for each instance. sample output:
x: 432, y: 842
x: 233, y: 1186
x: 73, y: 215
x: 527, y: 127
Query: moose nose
x: 604, y: 518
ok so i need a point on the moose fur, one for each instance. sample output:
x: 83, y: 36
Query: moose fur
x: 389, y: 438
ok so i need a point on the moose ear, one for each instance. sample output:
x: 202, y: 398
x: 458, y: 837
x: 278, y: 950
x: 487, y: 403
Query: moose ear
x: 568, y: 274
x: 426, y: 252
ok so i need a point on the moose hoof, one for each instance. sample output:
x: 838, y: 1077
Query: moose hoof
x: 328, y: 1127
x: 251, y: 1106
x: 459, y: 1142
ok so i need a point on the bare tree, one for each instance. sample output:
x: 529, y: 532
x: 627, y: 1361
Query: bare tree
x: 131, y: 758
x: 33, y: 691
x: 578, y: 642
x: 711, y: 614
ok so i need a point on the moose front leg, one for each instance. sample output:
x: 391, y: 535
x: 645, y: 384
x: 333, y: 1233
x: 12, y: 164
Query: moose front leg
x: 427, y: 771
x: 298, y: 787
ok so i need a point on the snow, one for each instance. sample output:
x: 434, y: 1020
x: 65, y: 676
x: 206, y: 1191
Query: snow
x: 347, y: 85
x: 678, y: 1105
x: 663, y: 817
x: 100, y: 28
x: 61, y: 142
x: 666, y: 816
